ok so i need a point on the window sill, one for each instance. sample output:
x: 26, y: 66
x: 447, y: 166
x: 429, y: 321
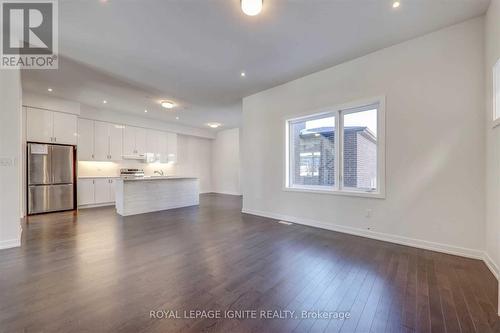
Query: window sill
x: 362, y: 194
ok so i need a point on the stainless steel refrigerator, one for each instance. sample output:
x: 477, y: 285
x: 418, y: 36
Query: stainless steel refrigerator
x: 51, y: 184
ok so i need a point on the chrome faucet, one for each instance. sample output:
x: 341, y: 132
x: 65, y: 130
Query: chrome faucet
x: 159, y: 172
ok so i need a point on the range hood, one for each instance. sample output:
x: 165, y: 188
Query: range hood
x: 140, y: 157
x: 145, y: 158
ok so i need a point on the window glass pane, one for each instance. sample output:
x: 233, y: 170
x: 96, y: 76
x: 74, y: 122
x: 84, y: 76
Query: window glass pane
x: 312, y: 152
x: 360, y: 150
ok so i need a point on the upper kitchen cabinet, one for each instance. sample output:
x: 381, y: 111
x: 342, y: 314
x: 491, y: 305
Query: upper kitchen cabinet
x: 134, y: 141
x: 171, y: 147
x: 99, y: 141
x: 85, y: 140
x: 115, y: 135
x: 50, y: 126
x: 153, y: 141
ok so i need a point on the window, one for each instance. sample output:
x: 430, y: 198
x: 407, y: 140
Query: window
x: 360, y: 149
x: 496, y: 92
x: 316, y: 162
x: 313, y: 151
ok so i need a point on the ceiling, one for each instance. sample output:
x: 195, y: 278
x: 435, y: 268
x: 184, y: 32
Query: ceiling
x: 135, y: 53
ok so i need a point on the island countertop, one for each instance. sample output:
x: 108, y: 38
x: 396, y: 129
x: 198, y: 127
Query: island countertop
x: 138, y: 195
x: 148, y: 178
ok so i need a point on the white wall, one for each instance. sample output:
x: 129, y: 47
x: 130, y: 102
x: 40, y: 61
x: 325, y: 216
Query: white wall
x: 434, y: 88
x: 492, y: 54
x: 226, y: 162
x: 10, y: 155
x: 193, y: 155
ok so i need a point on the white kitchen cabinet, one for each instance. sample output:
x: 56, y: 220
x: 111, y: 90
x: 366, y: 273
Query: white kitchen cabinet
x: 39, y: 125
x: 134, y: 141
x: 153, y: 141
x: 112, y: 190
x: 101, y: 141
x: 102, y: 190
x: 163, y: 147
x: 85, y: 192
x: 141, y: 140
x: 85, y: 140
x: 96, y: 191
x: 109, y: 141
x: 115, y: 142
x: 172, y: 147
x: 129, y: 140
x: 50, y: 127
x: 65, y: 128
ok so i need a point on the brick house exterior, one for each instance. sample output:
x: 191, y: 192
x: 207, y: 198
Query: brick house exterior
x: 315, y: 157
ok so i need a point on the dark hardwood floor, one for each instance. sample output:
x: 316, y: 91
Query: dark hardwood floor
x: 97, y: 272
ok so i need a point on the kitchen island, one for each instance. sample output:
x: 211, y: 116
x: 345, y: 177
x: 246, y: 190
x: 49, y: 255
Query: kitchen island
x: 150, y: 194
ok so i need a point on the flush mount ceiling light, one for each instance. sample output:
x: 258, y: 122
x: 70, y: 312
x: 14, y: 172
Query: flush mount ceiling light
x: 167, y: 104
x: 396, y: 4
x: 104, y: 102
x: 251, y: 7
x: 214, y: 125
x: 49, y: 90
x: 145, y: 111
x: 243, y: 74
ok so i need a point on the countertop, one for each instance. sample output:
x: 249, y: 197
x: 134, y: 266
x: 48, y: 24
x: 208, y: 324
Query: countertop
x: 97, y: 177
x: 150, y: 178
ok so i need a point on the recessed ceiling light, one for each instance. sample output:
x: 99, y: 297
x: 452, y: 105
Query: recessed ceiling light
x: 104, y: 102
x: 49, y: 90
x: 243, y: 74
x: 213, y: 125
x: 176, y: 118
x: 167, y: 104
x: 251, y: 7
x: 145, y: 111
x: 396, y: 4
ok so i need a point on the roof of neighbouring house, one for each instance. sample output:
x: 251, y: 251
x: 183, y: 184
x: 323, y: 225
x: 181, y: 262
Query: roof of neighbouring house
x: 329, y: 131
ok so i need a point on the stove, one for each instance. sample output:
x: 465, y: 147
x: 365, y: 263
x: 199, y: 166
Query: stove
x: 132, y: 173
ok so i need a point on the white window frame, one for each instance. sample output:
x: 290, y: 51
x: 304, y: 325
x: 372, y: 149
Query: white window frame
x: 496, y: 77
x: 338, y: 111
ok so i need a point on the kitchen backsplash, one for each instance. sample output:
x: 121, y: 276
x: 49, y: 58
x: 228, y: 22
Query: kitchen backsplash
x: 112, y: 169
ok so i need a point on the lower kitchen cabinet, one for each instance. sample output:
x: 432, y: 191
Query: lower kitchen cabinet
x: 85, y: 192
x: 96, y: 191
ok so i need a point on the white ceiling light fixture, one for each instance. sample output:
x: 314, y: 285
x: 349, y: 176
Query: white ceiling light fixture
x: 251, y: 7
x: 145, y: 111
x: 167, y: 104
x: 49, y: 90
x: 104, y: 102
x: 243, y: 74
x: 176, y: 118
x: 214, y: 125
x: 396, y: 4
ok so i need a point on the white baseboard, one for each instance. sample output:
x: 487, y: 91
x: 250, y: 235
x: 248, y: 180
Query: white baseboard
x: 227, y: 193
x: 418, y: 243
x: 491, y: 265
x: 7, y: 244
x: 97, y: 205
